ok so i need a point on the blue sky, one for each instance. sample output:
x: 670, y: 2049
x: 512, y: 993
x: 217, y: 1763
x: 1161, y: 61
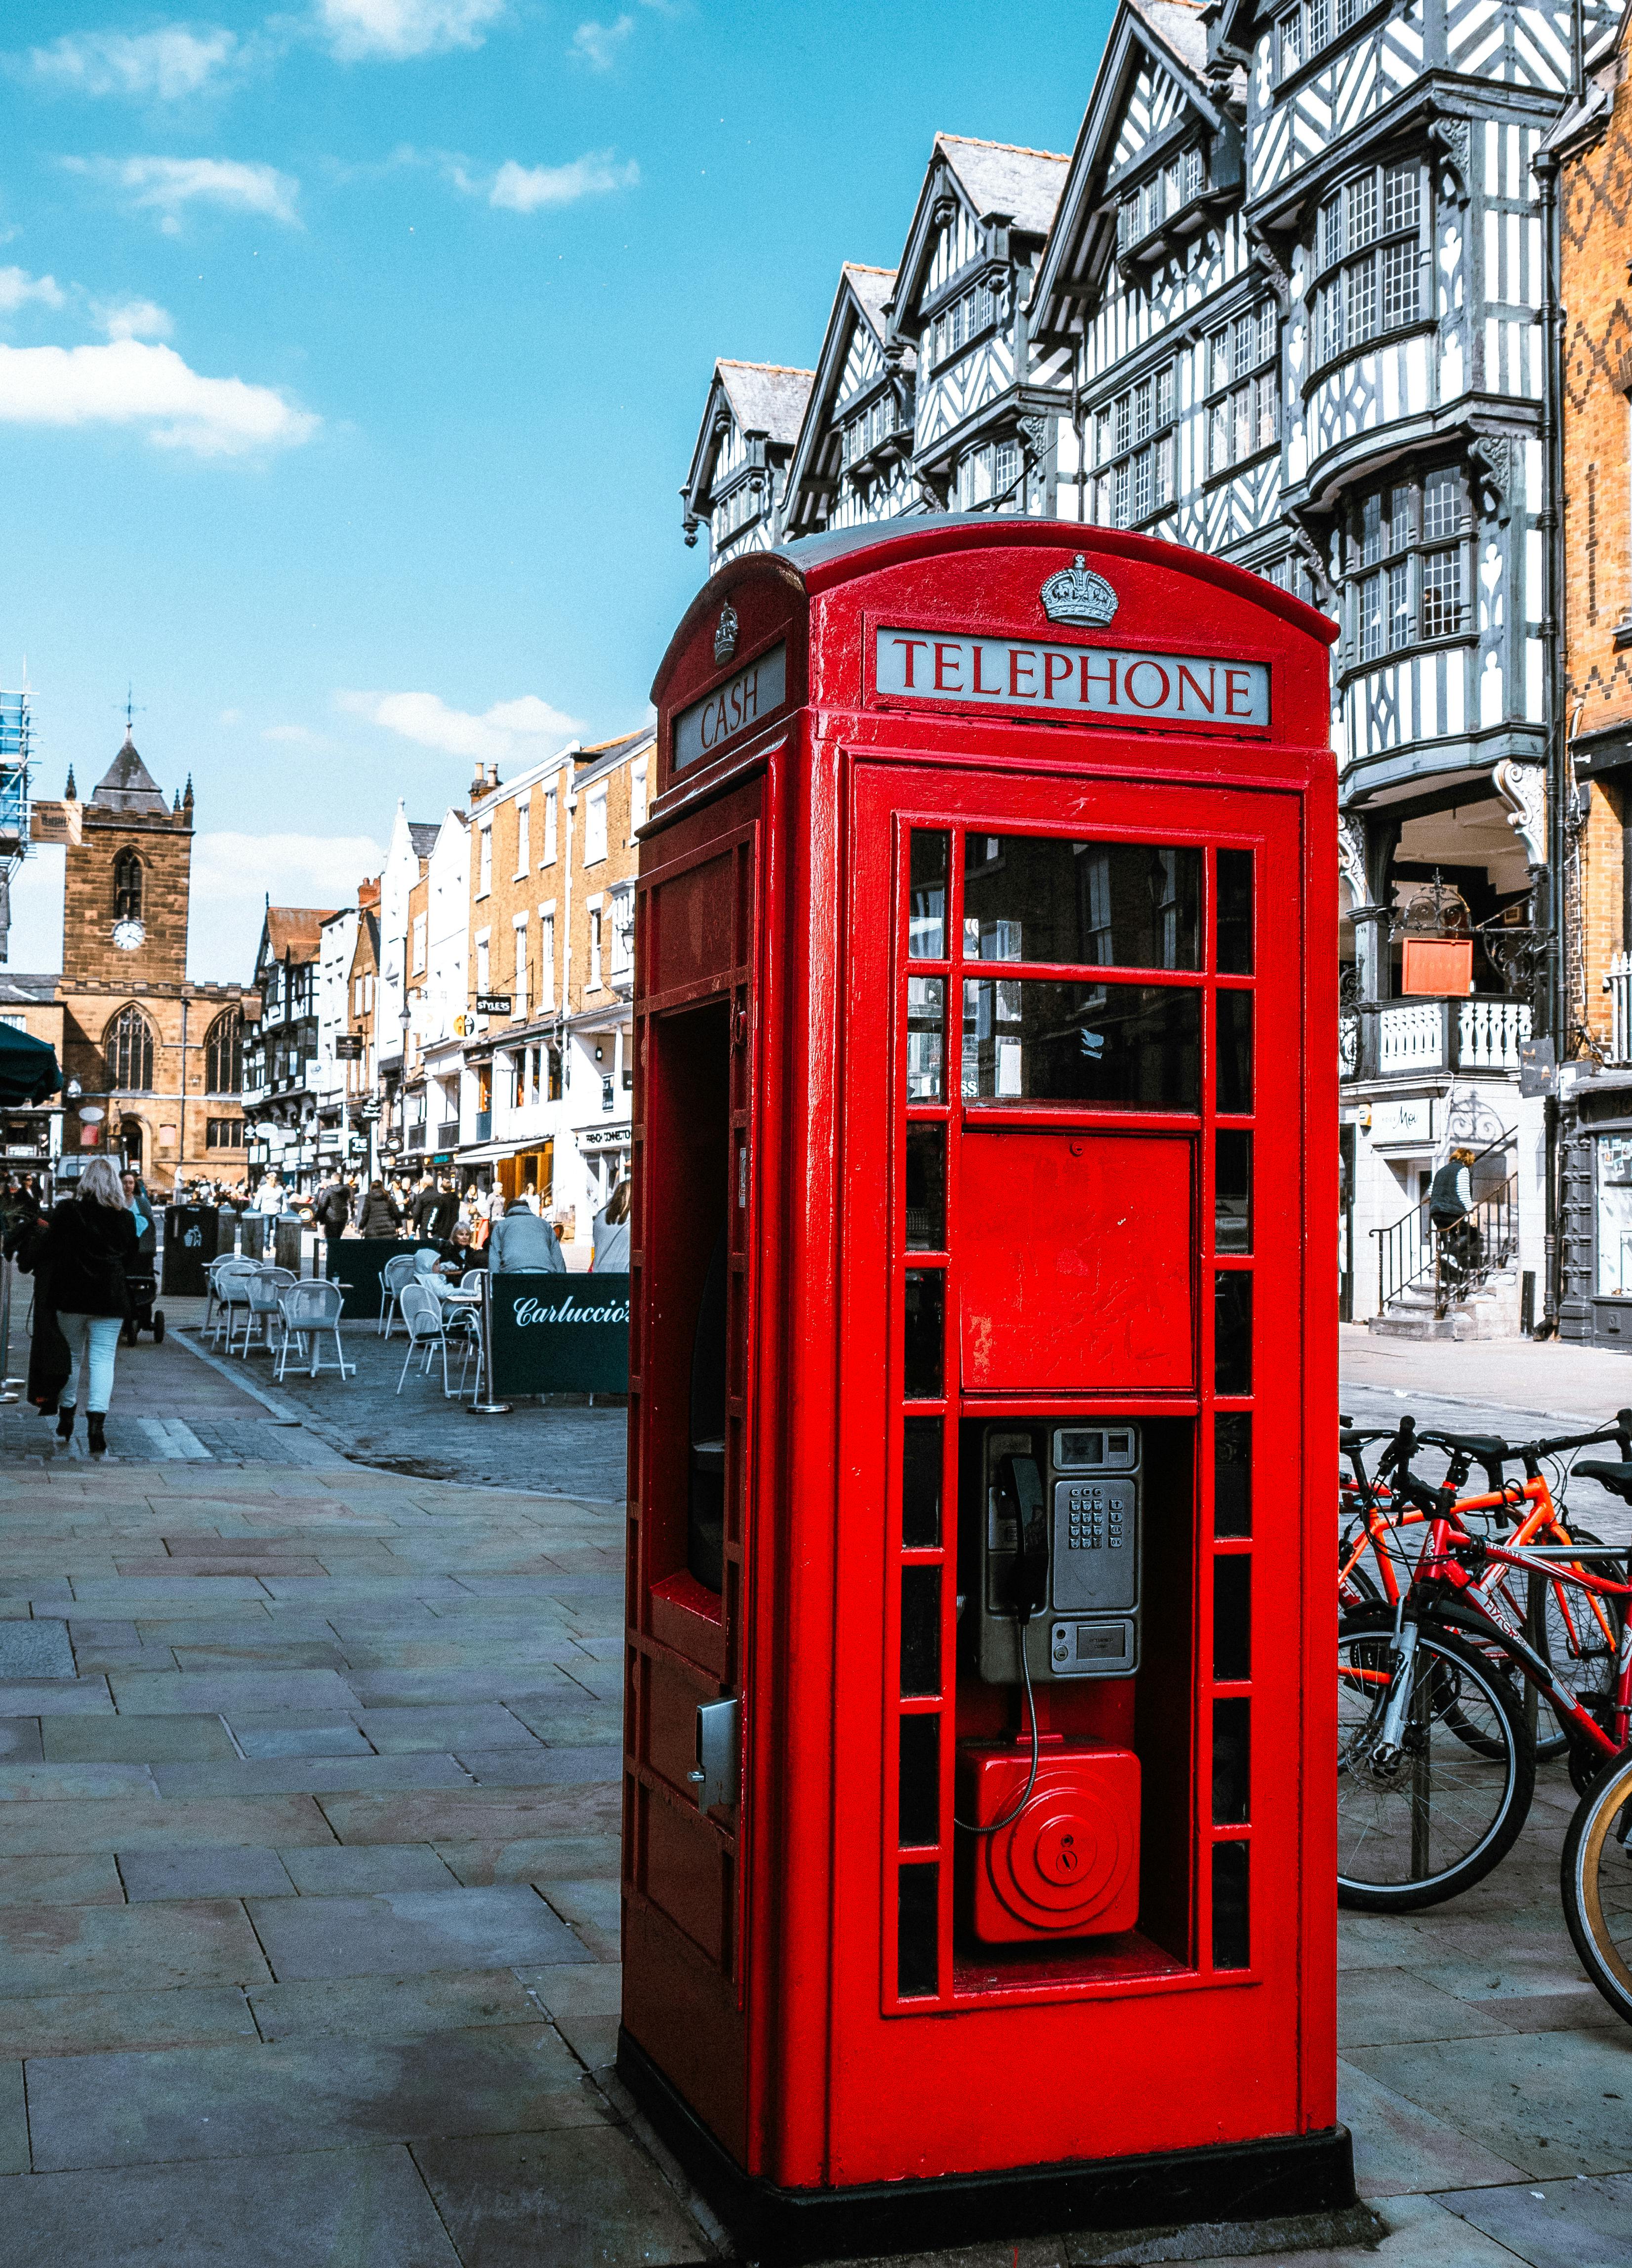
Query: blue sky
x: 351, y: 356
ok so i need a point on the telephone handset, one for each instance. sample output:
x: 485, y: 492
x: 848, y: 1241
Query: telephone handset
x: 1021, y: 1498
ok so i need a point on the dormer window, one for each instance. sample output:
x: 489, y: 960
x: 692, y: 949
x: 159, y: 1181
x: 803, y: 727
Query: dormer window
x: 864, y: 432
x: 1303, y: 32
x: 127, y: 887
x: 955, y: 327
x: 1159, y: 196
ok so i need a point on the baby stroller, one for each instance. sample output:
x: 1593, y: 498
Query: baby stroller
x: 144, y: 1315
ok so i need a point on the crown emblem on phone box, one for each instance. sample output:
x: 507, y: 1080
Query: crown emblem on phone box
x: 1076, y: 594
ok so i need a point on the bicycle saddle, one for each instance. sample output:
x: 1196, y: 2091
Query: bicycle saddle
x: 1615, y: 1478
x: 1486, y: 1449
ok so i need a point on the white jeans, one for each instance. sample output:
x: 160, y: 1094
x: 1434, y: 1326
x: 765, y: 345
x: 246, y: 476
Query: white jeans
x: 93, y: 1343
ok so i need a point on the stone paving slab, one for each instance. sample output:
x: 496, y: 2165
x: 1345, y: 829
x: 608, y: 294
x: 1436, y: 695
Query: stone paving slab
x: 129, y: 1823
x: 79, y: 2023
x: 362, y: 1771
x: 401, y: 1932
x: 362, y: 2208
x: 367, y: 1868
x: 35, y: 1649
x: 245, y: 2101
x: 78, y: 1949
x: 147, y: 1740
x: 575, y: 2200
x: 1561, y: 2225
x: 392, y: 2007
x: 215, y: 1871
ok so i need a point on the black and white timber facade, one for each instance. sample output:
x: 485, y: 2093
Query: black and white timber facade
x: 1285, y: 303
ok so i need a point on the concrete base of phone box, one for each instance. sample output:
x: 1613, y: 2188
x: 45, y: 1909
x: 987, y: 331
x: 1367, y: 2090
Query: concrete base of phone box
x: 1293, y: 2174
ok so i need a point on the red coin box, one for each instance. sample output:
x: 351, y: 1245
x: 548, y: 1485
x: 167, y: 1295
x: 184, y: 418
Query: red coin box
x: 1068, y: 1864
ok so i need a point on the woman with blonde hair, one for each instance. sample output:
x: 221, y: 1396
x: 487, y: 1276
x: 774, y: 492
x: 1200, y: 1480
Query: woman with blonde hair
x: 88, y: 1247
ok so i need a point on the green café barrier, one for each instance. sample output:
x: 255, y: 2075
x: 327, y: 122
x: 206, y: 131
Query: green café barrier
x: 560, y: 1335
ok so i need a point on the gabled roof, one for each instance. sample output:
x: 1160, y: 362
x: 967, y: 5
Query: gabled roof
x: 766, y: 397
x: 422, y: 834
x: 1000, y: 177
x: 1172, y: 34
x: 601, y: 752
x: 19, y: 989
x: 762, y: 398
x: 998, y: 180
x: 292, y: 933
x: 862, y: 297
x: 128, y: 785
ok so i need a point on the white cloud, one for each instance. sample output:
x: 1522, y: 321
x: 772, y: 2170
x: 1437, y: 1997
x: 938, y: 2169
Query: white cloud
x: 233, y: 875
x: 521, y: 731
x: 397, y: 29
x: 133, y: 319
x: 150, y: 388
x: 166, y: 65
x: 18, y: 288
x: 597, y: 44
x: 524, y: 188
x: 168, y: 186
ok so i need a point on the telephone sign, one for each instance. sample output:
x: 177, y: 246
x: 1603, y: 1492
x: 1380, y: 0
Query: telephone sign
x: 984, y: 1154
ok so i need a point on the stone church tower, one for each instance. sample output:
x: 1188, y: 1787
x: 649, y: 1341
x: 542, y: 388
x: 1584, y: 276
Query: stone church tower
x: 161, y: 1059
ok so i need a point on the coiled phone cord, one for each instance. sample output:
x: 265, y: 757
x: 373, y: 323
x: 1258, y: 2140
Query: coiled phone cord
x: 1010, y: 1817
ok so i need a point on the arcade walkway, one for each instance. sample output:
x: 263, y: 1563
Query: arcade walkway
x: 308, y: 1909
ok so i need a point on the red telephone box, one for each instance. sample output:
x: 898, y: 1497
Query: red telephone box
x: 979, y: 1828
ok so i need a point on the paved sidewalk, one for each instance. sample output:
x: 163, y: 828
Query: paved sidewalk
x: 308, y: 1918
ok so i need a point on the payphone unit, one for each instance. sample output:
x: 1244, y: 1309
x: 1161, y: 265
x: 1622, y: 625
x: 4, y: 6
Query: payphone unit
x: 1060, y: 1551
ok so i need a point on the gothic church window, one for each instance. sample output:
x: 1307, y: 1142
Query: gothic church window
x: 127, y: 887
x: 128, y: 1047
x: 1369, y: 254
x: 224, y: 1054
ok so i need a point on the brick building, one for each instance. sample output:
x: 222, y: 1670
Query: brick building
x: 1593, y: 143
x: 161, y: 1059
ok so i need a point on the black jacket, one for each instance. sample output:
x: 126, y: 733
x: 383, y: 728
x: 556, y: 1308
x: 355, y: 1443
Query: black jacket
x: 86, y: 1249
x: 380, y: 1215
x: 333, y: 1208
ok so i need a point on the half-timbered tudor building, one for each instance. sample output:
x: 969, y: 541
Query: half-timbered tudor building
x: 1287, y: 302
x: 739, y: 467
x: 853, y: 460
x: 984, y: 402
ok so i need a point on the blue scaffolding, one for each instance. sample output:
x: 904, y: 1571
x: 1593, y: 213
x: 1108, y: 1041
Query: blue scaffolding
x: 14, y: 721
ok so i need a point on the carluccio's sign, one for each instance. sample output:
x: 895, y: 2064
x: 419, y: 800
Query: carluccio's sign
x: 560, y: 1334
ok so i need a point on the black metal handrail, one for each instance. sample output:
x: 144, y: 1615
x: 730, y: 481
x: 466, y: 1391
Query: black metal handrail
x: 1457, y: 1259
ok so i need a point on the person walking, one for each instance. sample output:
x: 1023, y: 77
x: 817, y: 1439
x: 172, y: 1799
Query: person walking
x: 1450, y: 1210
x: 139, y: 1206
x: 422, y: 1212
x: 521, y: 1244
x: 332, y: 1210
x: 445, y: 1215
x: 380, y: 1215
x: 610, y: 1233
x: 89, y: 1246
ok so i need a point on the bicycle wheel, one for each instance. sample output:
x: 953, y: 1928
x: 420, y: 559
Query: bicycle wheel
x: 1596, y: 1878
x: 1580, y: 1656
x: 1420, y: 1823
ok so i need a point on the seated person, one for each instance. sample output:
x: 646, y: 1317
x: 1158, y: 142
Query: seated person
x: 521, y: 1244
x: 453, y: 1256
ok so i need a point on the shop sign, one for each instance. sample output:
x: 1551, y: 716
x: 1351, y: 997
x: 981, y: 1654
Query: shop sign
x: 731, y: 709
x: 570, y: 1338
x: 492, y: 1003
x: 1090, y: 682
x: 1415, y: 1120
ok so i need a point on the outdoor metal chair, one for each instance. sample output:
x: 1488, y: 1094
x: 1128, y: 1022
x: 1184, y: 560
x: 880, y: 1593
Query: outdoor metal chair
x: 427, y: 1328
x: 308, y: 1312
x: 398, y: 1270
x: 261, y: 1287
x: 228, y: 1278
